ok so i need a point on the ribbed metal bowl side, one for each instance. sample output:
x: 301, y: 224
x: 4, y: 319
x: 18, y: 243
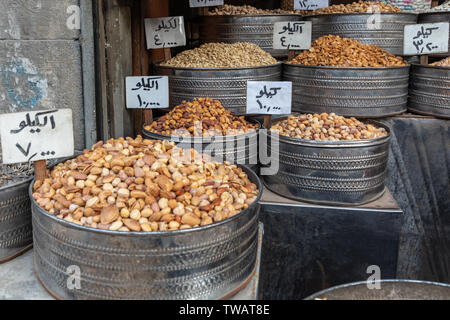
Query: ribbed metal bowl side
x: 229, y: 85
x: 335, y: 173
x: 15, y: 220
x: 348, y: 91
x: 433, y: 17
x: 257, y: 29
x: 201, y: 263
x: 387, y: 33
x: 430, y: 90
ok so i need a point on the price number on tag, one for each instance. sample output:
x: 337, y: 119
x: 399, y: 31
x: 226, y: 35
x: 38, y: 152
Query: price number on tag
x: 310, y: 4
x: 205, y: 3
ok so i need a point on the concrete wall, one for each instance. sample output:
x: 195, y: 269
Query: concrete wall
x: 40, y: 59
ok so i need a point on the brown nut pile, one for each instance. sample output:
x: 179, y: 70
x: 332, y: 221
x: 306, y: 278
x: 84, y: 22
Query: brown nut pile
x: 144, y: 185
x: 222, y: 55
x: 357, y: 7
x: 228, y: 9
x: 327, y: 127
x: 442, y: 63
x: 334, y: 51
x: 201, y: 117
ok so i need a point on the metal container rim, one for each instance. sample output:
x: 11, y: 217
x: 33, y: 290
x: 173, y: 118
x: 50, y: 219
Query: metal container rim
x: 16, y: 184
x: 358, y: 283
x: 418, y: 65
x: 285, y: 64
x: 349, y: 14
x: 234, y: 16
x: 158, y: 65
x: 421, y: 14
x: 247, y: 170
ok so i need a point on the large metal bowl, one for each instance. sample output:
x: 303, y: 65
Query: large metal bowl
x: 348, y: 91
x: 359, y: 26
x: 208, y: 262
x: 329, y: 172
x: 389, y: 290
x: 433, y: 17
x: 257, y: 29
x: 229, y: 85
x: 429, y: 92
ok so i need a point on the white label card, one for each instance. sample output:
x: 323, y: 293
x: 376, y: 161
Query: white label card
x: 310, y: 4
x: 205, y: 3
x: 425, y: 38
x: 165, y: 32
x: 269, y: 97
x: 147, y: 92
x: 292, y: 35
x: 36, y: 135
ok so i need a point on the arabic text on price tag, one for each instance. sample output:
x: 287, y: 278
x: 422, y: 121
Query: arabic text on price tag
x: 426, y: 38
x: 269, y: 97
x: 165, y: 32
x: 36, y: 135
x: 310, y: 4
x: 292, y: 35
x: 147, y: 92
x: 205, y: 3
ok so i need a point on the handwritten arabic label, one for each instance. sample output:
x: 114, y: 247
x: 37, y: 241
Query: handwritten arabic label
x: 205, y: 3
x: 147, y: 92
x: 292, y: 35
x: 310, y: 4
x: 165, y: 32
x: 425, y: 38
x: 36, y: 135
x: 269, y: 97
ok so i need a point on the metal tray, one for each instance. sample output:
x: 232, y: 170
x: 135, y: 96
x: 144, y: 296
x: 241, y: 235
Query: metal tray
x: 229, y: 85
x: 348, y: 91
x: 357, y: 26
x: 208, y: 262
x: 257, y: 29
x: 429, y: 92
x: 330, y: 172
x: 432, y: 17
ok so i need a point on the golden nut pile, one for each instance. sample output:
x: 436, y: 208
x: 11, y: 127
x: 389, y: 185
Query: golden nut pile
x: 442, y: 63
x: 244, y: 10
x: 327, y: 127
x: 144, y: 185
x: 357, y: 7
x: 201, y: 117
x: 334, y: 51
x: 222, y: 55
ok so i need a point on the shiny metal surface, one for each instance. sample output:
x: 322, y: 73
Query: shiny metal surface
x: 201, y: 263
x: 432, y: 17
x: 257, y: 29
x: 430, y: 90
x: 389, y: 290
x: 357, y: 26
x: 348, y: 91
x: 229, y: 85
x: 330, y: 172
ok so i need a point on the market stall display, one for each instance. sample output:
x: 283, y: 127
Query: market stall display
x: 171, y: 230
x: 349, y: 78
x: 315, y: 168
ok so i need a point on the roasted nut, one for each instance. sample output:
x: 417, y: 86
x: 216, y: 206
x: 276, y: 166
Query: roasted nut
x: 109, y: 215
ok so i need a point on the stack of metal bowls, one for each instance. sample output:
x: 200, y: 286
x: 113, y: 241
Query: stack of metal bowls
x: 434, y: 17
x: 257, y: 29
x: 329, y: 172
x: 348, y: 91
x: 384, y: 30
x: 208, y: 262
x: 229, y: 85
x: 430, y: 90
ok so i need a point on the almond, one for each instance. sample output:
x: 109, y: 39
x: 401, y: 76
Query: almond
x: 109, y: 215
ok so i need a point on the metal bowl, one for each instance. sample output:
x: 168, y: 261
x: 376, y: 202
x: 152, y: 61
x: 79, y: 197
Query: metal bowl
x: 329, y: 172
x: 257, y: 29
x: 429, y: 92
x: 433, y: 17
x: 229, y: 85
x: 389, y: 290
x: 207, y: 262
x: 359, y: 26
x: 348, y: 91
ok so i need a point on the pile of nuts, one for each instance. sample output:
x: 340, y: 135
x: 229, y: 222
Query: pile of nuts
x: 357, y: 7
x: 222, y: 55
x: 144, y: 185
x: 202, y: 117
x: 326, y: 127
x: 442, y: 63
x: 334, y: 51
x: 227, y: 10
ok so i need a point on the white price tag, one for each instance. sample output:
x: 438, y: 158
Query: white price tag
x: 147, y: 92
x: 292, y: 35
x: 36, y: 135
x: 425, y: 38
x: 269, y: 97
x: 310, y: 4
x: 205, y: 3
x: 165, y: 32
